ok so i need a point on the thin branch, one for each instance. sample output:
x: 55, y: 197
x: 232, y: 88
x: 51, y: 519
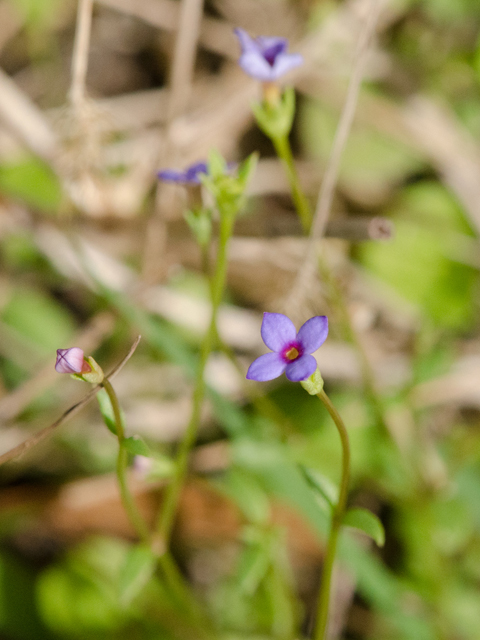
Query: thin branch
x: 183, y: 65
x: 80, y: 52
x: 44, y: 433
x: 327, y: 189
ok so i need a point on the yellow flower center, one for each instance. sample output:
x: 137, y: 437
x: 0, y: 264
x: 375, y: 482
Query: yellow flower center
x: 292, y: 353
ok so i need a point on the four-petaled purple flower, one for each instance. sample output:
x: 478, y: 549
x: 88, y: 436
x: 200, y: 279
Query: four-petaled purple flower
x: 190, y: 176
x: 291, y: 350
x: 71, y: 361
x: 266, y: 58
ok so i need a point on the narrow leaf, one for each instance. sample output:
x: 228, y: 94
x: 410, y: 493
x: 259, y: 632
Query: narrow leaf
x: 137, y: 446
x: 137, y: 570
x: 106, y: 410
x: 367, y: 522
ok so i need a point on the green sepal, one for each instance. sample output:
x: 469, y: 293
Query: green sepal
x: 314, y: 384
x: 275, y: 120
x: 228, y: 187
x: 366, y: 521
x: 137, y: 446
x: 95, y: 376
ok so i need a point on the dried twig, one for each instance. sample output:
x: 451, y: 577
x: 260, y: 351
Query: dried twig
x: 25, y: 119
x: 181, y: 81
x: 80, y: 52
x: 308, y: 267
x: 44, y: 433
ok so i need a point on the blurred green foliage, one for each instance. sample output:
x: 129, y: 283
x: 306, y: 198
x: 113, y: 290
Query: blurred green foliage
x: 422, y: 478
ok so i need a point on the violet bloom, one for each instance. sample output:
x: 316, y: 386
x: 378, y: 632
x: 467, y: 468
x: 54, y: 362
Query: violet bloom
x: 266, y: 58
x: 71, y: 361
x: 291, y: 350
x: 191, y: 175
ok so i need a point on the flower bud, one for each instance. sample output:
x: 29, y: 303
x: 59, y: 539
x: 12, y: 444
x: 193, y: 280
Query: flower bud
x: 71, y: 361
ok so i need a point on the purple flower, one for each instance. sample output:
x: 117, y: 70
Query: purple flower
x: 291, y: 350
x: 266, y: 58
x: 71, y: 361
x: 190, y: 176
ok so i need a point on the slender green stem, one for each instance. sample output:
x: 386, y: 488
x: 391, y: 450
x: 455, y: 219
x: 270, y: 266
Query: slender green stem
x: 169, y: 508
x: 169, y: 569
x: 284, y: 152
x: 128, y: 501
x: 337, y: 518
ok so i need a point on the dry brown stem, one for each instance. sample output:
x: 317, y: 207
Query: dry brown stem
x: 307, y: 271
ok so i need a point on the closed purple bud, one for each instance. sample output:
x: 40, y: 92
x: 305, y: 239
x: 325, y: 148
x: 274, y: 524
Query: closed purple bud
x: 71, y: 361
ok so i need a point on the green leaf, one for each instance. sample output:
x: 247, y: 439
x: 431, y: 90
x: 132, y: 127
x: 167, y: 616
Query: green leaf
x: 106, y: 410
x: 247, y: 168
x: 253, y: 566
x: 216, y: 164
x: 321, y: 485
x: 33, y: 182
x: 271, y: 464
x: 367, y: 522
x: 137, y: 446
x: 137, y: 570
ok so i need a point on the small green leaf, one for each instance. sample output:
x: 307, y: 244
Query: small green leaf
x: 367, y: 522
x: 253, y: 567
x: 247, y: 168
x: 136, y: 572
x: 137, y: 446
x: 216, y: 164
x: 321, y: 485
x: 106, y: 410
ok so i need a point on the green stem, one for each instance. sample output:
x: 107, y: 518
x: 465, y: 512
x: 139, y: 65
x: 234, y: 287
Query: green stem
x: 284, y: 152
x: 168, y: 567
x: 128, y: 501
x: 169, y: 508
x: 337, y: 518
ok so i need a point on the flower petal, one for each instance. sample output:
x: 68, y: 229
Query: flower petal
x: 247, y: 43
x: 284, y: 62
x: 69, y: 360
x: 272, y: 45
x: 266, y: 367
x: 255, y: 65
x: 301, y: 368
x: 191, y: 174
x: 171, y: 175
x: 277, y: 331
x: 313, y: 333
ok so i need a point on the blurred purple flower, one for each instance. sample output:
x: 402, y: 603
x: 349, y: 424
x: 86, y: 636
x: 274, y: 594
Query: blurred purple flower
x: 142, y: 465
x: 190, y: 176
x: 291, y: 350
x: 71, y: 361
x: 265, y: 58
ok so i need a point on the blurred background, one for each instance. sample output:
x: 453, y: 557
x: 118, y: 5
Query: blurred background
x: 93, y: 251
